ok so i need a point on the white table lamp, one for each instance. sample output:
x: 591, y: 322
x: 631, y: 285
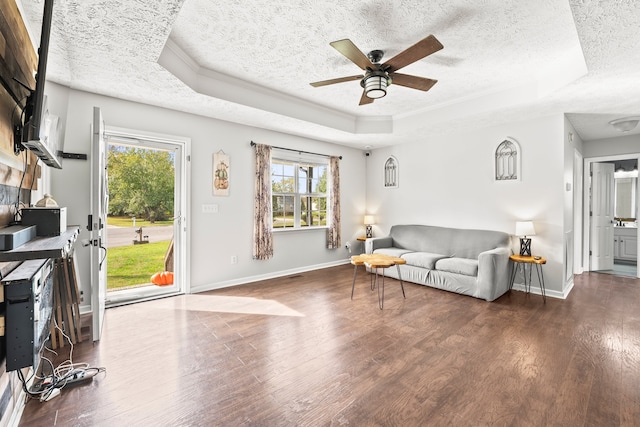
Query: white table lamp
x: 524, y: 229
x: 368, y: 221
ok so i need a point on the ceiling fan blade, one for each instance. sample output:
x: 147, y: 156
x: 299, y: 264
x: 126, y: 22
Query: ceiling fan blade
x: 424, y: 47
x: 351, y: 51
x: 414, y: 82
x: 364, y: 99
x: 338, y: 80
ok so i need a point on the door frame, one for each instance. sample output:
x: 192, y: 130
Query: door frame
x: 578, y: 191
x: 586, y: 261
x: 602, y: 212
x: 183, y: 211
x: 98, y: 202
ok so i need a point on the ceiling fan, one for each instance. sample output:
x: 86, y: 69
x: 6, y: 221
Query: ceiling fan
x: 378, y: 77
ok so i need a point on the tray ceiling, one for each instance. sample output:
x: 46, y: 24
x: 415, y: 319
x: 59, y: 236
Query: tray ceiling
x: 251, y: 61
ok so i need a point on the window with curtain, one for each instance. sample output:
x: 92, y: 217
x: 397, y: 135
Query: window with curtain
x: 299, y: 193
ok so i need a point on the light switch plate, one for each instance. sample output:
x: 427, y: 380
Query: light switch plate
x: 213, y: 208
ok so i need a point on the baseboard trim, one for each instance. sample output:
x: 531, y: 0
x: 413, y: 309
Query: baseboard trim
x: 538, y: 291
x: 16, y: 415
x: 257, y: 278
x: 21, y: 401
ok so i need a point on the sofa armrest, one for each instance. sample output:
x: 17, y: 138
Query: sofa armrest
x: 374, y: 243
x: 493, y: 273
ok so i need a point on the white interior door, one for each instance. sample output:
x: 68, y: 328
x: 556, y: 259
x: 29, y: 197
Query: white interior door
x: 97, y: 222
x: 602, y: 212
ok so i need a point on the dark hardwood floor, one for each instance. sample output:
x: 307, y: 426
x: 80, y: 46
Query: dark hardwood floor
x: 296, y: 351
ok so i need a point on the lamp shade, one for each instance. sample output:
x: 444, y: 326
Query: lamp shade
x: 375, y: 86
x: 369, y: 219
x: 525, y: 228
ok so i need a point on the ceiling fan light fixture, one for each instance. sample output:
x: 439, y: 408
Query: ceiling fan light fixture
x: 625, y: 124
x: 375, y: 85
x: 379, y: 76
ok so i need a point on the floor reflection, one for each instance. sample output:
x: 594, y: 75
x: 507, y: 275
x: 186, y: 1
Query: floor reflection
x: 226, y: 304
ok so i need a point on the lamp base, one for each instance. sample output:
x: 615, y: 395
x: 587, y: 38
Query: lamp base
x: 525, y: 247
x: 368, y: 231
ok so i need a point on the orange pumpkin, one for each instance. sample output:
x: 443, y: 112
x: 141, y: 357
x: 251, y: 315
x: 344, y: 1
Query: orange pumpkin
x: 163, y: 278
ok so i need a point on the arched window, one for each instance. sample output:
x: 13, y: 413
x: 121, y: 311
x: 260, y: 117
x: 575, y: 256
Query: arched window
x: 507, y: 162
x: 391, y: 173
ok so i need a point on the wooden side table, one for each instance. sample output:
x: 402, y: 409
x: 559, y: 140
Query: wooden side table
x: 363, y: 239
x: 375, y: 262
x: 357, y: 260
x: 380, y: 263
x: 523, y: 261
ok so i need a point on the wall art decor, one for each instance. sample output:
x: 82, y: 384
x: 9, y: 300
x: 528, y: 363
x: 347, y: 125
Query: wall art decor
x: 507, y: 161
x: 391, y: 172
x: 220, y: 174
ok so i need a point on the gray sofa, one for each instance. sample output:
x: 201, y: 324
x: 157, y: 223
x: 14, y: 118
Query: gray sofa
x: 469, y: 262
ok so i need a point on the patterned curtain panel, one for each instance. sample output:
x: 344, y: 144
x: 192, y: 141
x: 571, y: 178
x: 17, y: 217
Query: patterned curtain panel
x: 262, y: 234
x: 333, y: 232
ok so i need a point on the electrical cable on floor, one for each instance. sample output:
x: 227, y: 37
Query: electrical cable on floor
x: 67, y: 372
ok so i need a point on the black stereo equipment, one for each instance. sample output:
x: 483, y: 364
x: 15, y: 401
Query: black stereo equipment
x: 28, y: 293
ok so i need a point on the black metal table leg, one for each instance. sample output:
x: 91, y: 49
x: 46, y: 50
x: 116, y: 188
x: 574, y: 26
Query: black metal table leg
x: 353, y: 285
x: 541, y: 280
x: 400, y: 278
x: 380, y: 300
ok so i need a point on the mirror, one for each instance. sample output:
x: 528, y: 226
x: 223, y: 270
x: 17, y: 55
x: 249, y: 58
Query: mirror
x: 625, y: 196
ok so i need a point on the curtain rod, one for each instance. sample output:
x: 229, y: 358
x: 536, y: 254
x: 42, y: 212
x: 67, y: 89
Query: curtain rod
x: 298, y: 151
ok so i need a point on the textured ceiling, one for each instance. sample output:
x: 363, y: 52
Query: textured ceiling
x: 251, y: 61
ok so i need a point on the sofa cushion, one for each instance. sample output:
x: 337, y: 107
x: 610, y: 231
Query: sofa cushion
x: 453, y: 242
x: 468, y: 267
x: 397, y: 252
x: 422, y: 259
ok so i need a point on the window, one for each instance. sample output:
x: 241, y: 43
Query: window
x: 299, y: 194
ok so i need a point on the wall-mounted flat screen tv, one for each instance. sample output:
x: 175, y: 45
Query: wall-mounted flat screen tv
x: 41, y: 130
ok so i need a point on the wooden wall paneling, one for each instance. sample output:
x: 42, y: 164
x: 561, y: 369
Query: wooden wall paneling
x: 12, y: 176
x: 8, y: 198
x: 9, y: 116
x: 18, y: 59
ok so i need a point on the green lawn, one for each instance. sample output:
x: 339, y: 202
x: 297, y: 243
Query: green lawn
x: 134, y: 265
x: 126, y: 221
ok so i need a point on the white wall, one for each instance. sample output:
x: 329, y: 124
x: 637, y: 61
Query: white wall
x: 445, y: 181
x: 628, y: 144
x: 448, y: 181
x: 214, y: 237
